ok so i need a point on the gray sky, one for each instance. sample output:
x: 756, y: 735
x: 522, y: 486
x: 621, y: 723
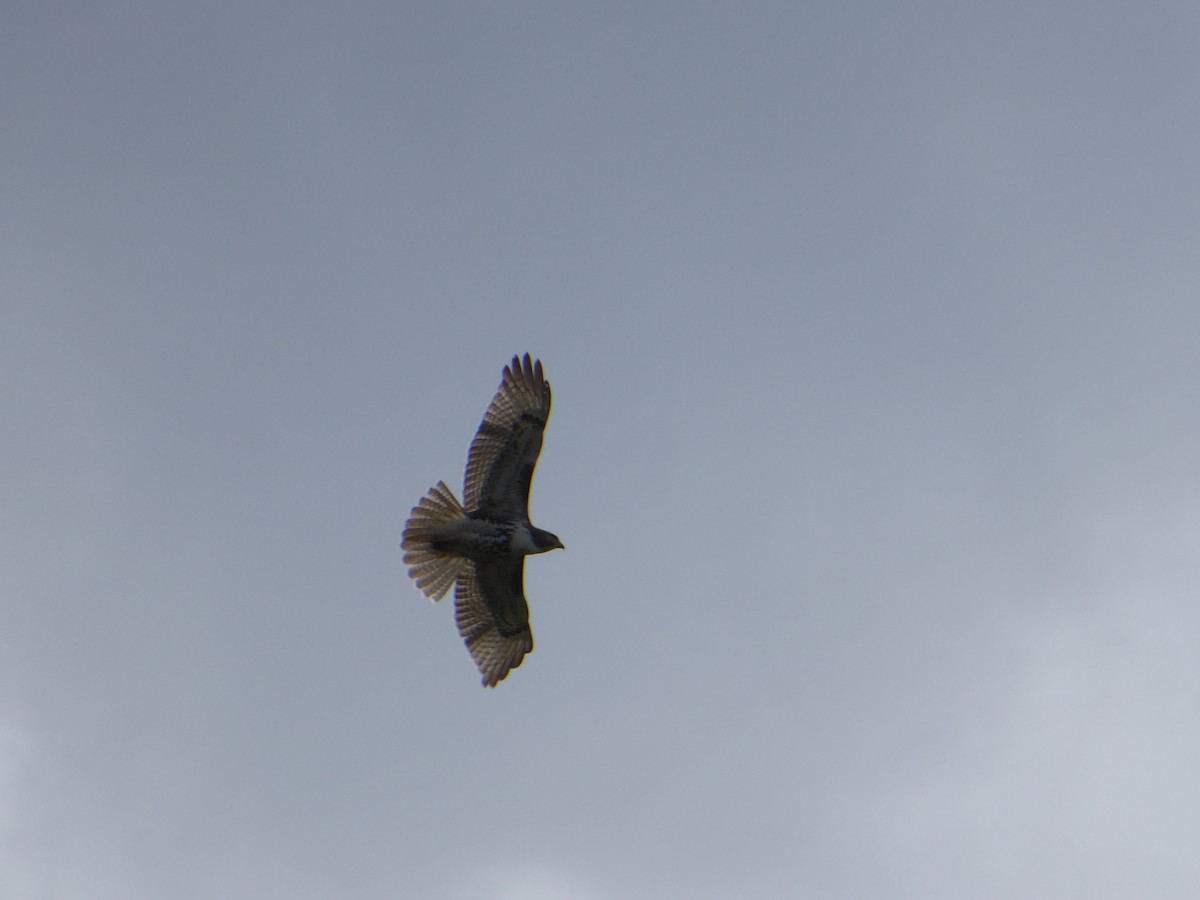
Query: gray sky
x: 872, y: 329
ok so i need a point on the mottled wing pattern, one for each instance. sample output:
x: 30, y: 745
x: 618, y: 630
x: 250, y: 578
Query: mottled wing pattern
x: 506, y: 447
x: 493, y: 617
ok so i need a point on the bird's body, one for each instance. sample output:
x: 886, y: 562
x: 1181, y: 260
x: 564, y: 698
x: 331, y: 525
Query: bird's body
x: 480, y: 548
x: 485, y: 538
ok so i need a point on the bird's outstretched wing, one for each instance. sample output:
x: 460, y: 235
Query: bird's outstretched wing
x: 493, y: 617
x: 505, y: 449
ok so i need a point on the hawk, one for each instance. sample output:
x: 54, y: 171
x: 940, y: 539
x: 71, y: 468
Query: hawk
x: 479, y: 546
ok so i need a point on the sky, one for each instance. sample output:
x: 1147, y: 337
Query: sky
x: 872, y: 329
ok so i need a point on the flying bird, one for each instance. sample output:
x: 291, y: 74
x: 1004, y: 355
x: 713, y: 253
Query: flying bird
x: 479, y: 546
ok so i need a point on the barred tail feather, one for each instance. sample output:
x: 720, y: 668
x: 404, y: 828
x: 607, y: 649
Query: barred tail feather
x: 434, y: 571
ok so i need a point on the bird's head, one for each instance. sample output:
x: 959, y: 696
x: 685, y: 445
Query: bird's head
x: 544, y: 540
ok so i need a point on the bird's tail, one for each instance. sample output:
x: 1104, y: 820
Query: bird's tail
x: 434, y: 571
